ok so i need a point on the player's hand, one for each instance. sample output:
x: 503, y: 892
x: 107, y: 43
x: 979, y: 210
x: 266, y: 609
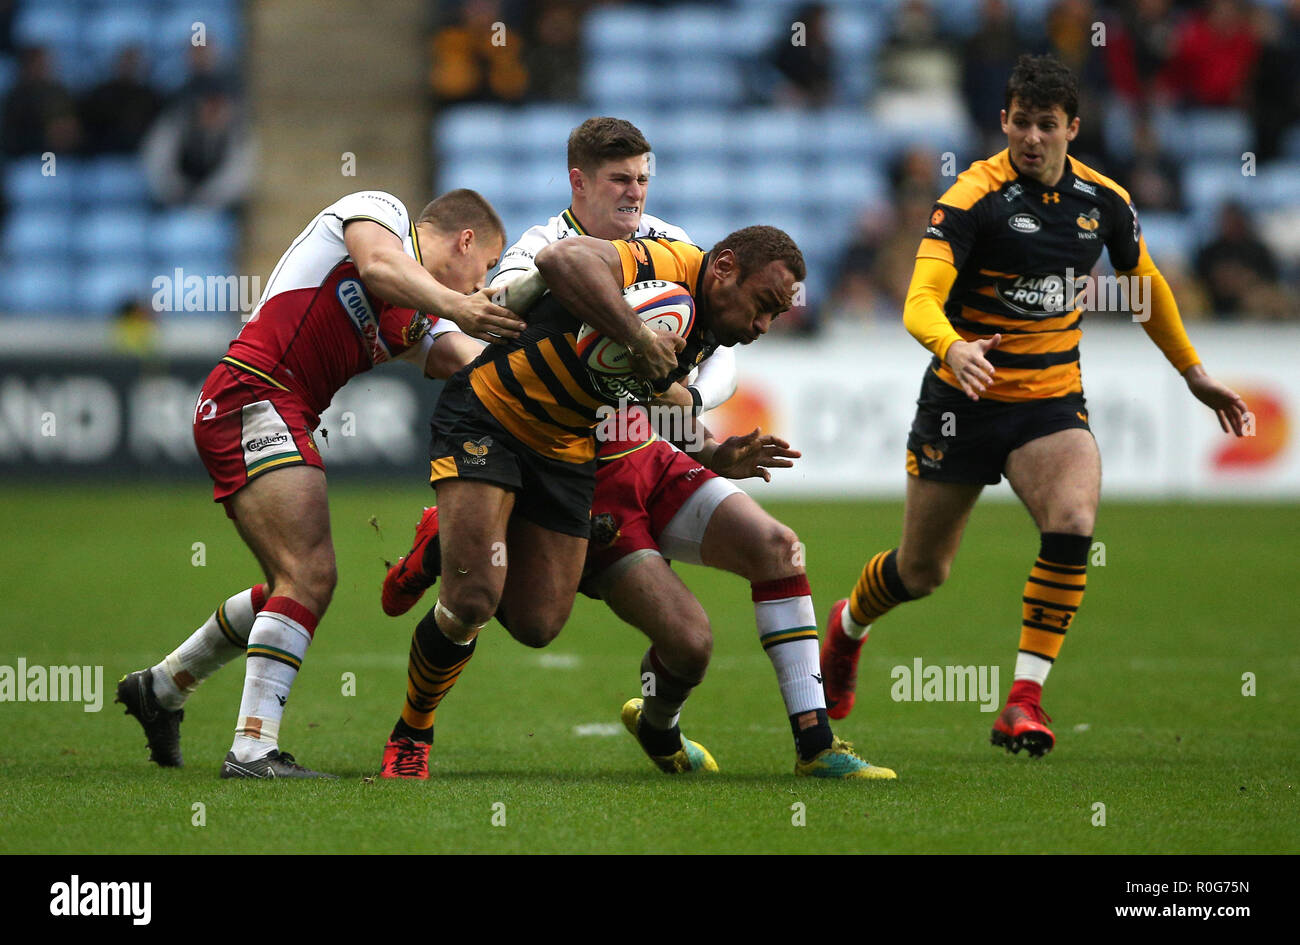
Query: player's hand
x: 1225, y: 402
x: 479, y: 317
x: 654, y: 355
x: 750, y: 456
x: 974, y: 372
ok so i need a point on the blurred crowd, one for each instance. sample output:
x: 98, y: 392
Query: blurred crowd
x: 1144, y: 58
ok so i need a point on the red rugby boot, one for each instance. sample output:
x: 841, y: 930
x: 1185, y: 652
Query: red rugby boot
x: 1022, y: 725
x: 839, y: 665
x: 406, y: 758
x: 416, y: 571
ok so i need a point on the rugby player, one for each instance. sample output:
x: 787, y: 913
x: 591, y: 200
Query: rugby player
x: 649, y: 496
x: 349, y: 293
x: 1003, y: 394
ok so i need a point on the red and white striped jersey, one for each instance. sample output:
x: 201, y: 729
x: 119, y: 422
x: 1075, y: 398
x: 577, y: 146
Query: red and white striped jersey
x: 317, y: 325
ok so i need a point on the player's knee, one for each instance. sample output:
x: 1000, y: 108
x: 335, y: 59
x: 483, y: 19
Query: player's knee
x: 535, y: 633
x: 923, y: 578
x: 691, y: 656
x: 776, y: 553
x: 473, y: 604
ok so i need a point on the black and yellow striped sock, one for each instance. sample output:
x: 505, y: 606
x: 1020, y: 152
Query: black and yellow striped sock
x: 878, y: 591
x: 434, y: 665
x: 1052, y: 597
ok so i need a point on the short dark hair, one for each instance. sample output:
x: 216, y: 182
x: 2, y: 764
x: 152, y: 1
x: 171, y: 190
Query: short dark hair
x: 598, y: 140
x: 756, y: 246
x: 1042, y: 82
x: 463, y: 210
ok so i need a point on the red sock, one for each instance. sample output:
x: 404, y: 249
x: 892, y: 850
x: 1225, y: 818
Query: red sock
x: 1026, y: 692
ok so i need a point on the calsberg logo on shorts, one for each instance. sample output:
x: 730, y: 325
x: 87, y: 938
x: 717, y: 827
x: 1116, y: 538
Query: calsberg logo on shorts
x: 477, y: 450
x: 352, y: 295
x: 1024, y: 223
x: 259, y: 443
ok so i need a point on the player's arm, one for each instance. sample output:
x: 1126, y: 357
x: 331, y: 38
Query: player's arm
x: 1164, y: 326
x: 395, y: 277
x: 586, y: 277
x: 923, y: 317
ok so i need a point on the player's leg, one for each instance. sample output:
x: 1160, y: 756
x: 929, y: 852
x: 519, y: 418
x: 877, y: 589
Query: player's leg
x: 473, y: 517
x: 156, y: 696
x: 1058, y: 477
x: 739, y: 536
x: 545, y: 568
x: 934, y: 518
x: 283, y: 516
x: 642, y: 590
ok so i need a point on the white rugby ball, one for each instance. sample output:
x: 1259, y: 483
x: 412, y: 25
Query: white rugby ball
x: 664, y: 306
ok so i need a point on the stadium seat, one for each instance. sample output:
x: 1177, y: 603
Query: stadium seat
x: 618, y: 30
x: 35, y: 233
x: 192, y: 231
x: 470, y: 129
x: 615, y: 81
x: 112, y: 180
x: 490, y: 176
x: 1167, y: 234
x: 54, y: 25
x: 37, y: 288
x: 1205, y: 133
x: 103, y: 287
x: 26, y: 185
x: 119, y: 234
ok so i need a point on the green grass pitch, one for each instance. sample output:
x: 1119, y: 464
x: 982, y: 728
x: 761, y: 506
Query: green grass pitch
x: 1148, y: 700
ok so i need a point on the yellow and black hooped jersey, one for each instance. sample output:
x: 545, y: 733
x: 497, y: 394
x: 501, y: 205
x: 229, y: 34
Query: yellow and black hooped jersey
x: 537, y: 387
x: 1016, y: 245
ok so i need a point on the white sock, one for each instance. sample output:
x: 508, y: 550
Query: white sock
x: 1033, y: 668
x: 276, y: 647
x: 852, y: 629
x: 787, y: 628
x: 221, y: 638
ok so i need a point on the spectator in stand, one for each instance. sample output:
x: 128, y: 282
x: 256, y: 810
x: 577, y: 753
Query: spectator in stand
x: 200, y: 150
x: 39, y: 113
x: 1277, y: 80
x: 804, y: 68
x: 987, y: 59
x: 479, y: 58
x: 1239, y: 269
x: 553, y: 53
x: 1071, y: 31
x: 1139, y: 45
x: 116, y: 113
x: 1153, y: 177
x: 1214, y: 56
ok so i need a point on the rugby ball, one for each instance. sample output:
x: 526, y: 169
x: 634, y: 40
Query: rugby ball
x: 664, y: 306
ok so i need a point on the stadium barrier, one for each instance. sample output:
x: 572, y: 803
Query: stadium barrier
x: 845, y: 400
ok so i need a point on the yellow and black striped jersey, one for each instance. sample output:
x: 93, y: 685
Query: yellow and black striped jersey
x: 537, y: 387
x: 1016, y: 244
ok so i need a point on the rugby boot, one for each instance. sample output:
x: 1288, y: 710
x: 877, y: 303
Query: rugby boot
x: 416, y: 571
x: 839, y: 661
x: 274, y: 764
x: 406, y: 758
x: 162, y: 727
x: 1022, y: 725
x: 692, y: 756
x: 841, y: 761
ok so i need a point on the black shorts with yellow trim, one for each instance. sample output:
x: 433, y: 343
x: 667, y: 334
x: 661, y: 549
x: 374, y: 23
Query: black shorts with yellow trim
x: 956, y: 439
x: 468, y: 443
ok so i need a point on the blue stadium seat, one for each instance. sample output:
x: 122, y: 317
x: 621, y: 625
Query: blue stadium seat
x: 1207, y: 184
x: 615, y: 82
x: 693, y: 135
x: 1280, y: 182
x: 35, y: 233
x: 186, y: 232
x: 108, y: 180
x: 37, y: 288
x: 704, y: 80
x: 118, y: 234
x: 489, y: 175
x: 775, y: 185
x: 104, y: 286
x: 26, y: 185
x: 46, y: 24
x: 618, y: 30
x: 470, y: 129
x: 1167, y: 234
x: 1205, y: 133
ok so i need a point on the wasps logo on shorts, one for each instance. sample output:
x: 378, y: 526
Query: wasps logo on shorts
x: 478, y: 450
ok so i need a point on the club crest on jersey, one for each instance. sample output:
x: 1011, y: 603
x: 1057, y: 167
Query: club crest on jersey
x: 1036, y: 296
x: 1024, y: 223
x: 352, y: 296
x: 415, y: 329
x: 477, y: 450
x: 1088, y: 223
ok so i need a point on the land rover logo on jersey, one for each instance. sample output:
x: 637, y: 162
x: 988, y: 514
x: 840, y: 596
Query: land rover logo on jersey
x: 1024, y: 223
x: 619, y: 387
x: 1036, y: 296
x: 352, y: 295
